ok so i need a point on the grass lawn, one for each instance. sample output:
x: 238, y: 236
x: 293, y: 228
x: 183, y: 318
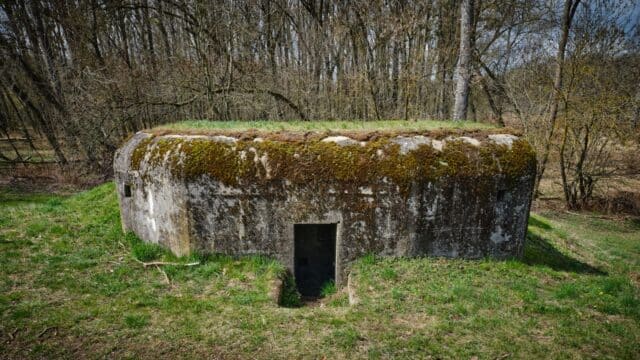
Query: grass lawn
x: 324, y: 125
x: 70, y: 286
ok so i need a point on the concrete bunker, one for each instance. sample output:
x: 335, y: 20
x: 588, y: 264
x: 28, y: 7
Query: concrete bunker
x: 318, y: 201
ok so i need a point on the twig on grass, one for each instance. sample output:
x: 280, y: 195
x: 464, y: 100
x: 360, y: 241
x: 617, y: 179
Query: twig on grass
x: 46, y: 330
x: 12, y: 335
x: 166, y: 277
x: 160, y: 263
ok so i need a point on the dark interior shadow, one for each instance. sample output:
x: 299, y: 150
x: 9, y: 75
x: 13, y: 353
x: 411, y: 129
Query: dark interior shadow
x: 540, y: 251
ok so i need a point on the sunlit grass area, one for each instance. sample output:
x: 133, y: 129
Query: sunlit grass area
x: 72, y: 285
x: 324, y: 125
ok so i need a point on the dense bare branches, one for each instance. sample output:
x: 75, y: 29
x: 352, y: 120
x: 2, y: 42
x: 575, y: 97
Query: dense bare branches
x: 85, y: 74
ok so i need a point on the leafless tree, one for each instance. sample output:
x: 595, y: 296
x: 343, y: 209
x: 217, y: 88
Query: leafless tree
x: 463, y: 67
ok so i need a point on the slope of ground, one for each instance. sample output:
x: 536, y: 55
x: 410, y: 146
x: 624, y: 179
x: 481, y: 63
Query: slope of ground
x: 71, y: 286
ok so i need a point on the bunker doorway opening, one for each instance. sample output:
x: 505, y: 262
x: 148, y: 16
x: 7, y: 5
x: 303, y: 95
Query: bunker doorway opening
x: 314, y: 257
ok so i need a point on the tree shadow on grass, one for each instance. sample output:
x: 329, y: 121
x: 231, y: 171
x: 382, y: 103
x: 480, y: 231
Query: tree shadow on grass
x: 540, y: 251
x: 534, y: 221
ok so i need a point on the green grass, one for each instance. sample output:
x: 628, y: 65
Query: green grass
x: 72, y: 285
x: 328, y: 289
x: 324, y: 125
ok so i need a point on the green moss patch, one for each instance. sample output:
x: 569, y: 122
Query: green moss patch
x: 314, y: 161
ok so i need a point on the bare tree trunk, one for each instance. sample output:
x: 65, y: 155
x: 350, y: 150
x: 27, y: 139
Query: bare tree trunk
x: 94, y: 33
x: 497, y: 112
x: 569, y: 11
x: 568, y: 198
x: 395, y: 89
x: 463, y: 71
x: 148, y: 29
x: 124, y: 38
x: 45, y: 125
x: 636, y: 113
x: 5, y: 130
x: 441, y: 70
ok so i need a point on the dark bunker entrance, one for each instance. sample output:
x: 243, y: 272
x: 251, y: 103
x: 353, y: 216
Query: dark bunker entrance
x: 314, y: 257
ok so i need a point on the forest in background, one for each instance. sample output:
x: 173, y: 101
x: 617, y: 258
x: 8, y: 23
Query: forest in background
x: 78, y: 77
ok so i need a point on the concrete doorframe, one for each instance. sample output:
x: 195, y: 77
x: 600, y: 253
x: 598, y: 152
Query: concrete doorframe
x: 332, y: 217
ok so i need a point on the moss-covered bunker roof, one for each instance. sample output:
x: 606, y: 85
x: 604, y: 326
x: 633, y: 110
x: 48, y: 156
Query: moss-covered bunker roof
x: 355, y: 158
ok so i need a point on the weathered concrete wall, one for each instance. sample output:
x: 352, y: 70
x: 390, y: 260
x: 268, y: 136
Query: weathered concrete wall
x: 415, y: 196
x: 157, y: 209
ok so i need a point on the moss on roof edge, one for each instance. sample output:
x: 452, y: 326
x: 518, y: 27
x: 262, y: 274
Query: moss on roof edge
x: 237, y: 162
